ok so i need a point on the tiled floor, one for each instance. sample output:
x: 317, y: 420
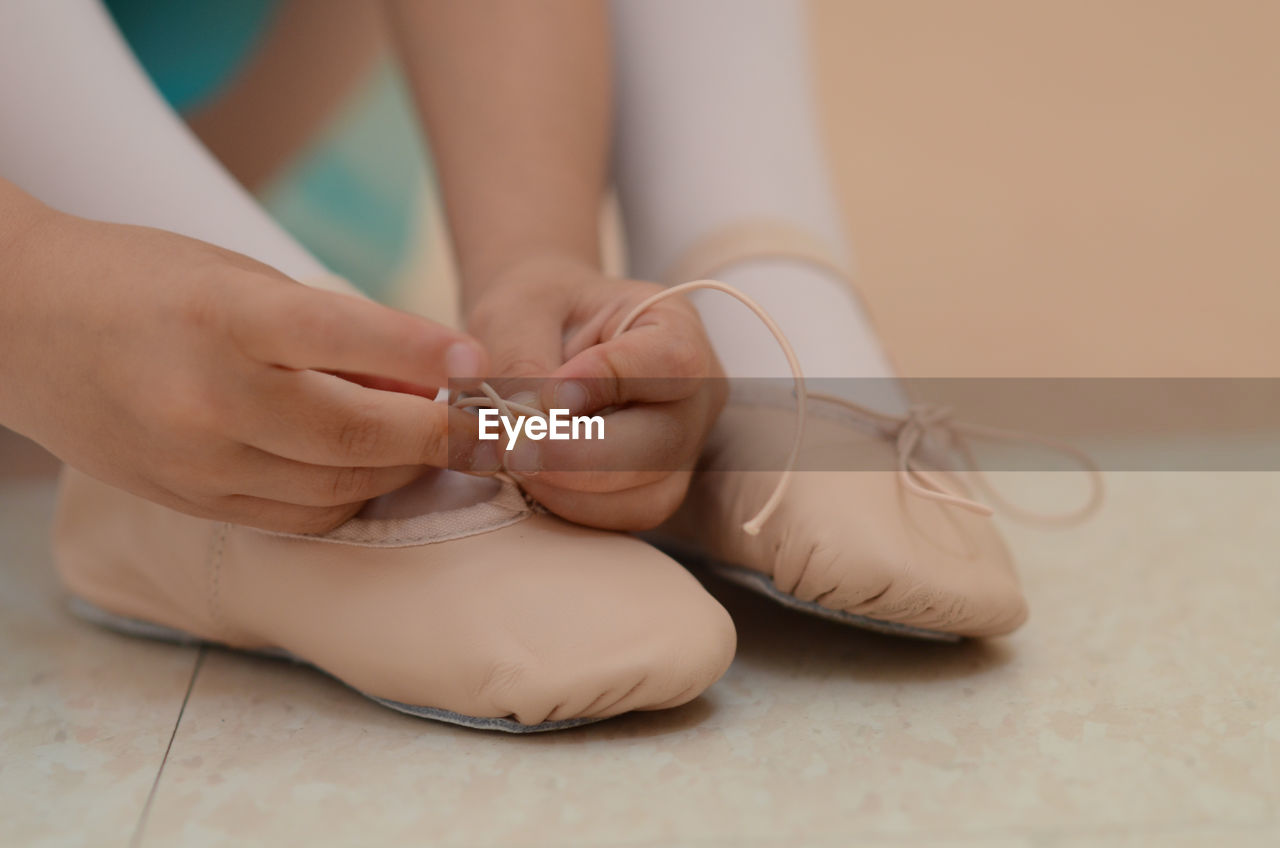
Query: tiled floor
x: 1141, y: 706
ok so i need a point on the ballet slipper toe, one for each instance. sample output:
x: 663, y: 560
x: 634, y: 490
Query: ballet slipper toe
x: 451, y: 599
x: 919, y: 563
x: 852, y: 545
x: 543, y: 621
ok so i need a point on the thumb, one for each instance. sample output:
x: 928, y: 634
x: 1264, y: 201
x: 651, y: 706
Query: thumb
x: 301, y: 328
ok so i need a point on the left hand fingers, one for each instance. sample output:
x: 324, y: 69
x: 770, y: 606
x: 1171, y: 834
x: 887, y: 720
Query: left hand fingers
x: 664, y: 356
x: 641, y: 445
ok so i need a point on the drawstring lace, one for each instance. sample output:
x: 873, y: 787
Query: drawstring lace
x: 909, y: 432
x: 923, y: 421
x: 507, y: 409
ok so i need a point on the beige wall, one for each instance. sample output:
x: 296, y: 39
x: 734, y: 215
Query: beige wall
x: 1064, y: 188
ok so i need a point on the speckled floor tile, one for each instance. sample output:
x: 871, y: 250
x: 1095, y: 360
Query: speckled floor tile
x: 85, y: 716
x: 1139, y: 702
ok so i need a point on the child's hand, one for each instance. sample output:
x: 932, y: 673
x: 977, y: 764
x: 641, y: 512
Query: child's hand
x: 195, y: 377
x: 555, y: 318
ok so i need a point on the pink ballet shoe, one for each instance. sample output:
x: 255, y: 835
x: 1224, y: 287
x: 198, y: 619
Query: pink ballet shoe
x: 851, y: 546
x: 903, y: 550
x: 450, y: 599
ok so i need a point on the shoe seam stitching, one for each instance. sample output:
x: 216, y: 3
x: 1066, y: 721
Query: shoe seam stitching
x: 214, y: 569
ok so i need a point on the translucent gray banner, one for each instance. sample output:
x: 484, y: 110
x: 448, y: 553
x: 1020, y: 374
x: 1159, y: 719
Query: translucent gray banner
x: 1008, y: 424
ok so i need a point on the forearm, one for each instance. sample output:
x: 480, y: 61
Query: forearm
x: 26, y: 251
x: 515, y: 97
x: 19, y: 212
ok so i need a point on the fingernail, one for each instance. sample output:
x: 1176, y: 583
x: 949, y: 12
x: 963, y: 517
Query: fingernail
x: 486, y: 458
x: 523, y: 459
x: 463, y: 359
x: 571, y: 395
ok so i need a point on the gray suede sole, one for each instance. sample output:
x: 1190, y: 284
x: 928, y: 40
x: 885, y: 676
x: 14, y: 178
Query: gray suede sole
x: 145, y: 629
x: 763, y: 584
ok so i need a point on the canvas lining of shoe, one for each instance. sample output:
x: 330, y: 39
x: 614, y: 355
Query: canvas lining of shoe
x: 909, y: 432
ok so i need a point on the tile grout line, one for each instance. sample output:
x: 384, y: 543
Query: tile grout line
x: 155, y: 784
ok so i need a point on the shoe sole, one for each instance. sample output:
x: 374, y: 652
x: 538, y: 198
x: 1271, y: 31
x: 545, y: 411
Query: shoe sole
x: 762, y: 584
x: 86, y: 611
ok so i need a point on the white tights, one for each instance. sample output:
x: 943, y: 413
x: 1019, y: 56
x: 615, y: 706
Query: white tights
x: 716, y: 124
x: 83, y: 129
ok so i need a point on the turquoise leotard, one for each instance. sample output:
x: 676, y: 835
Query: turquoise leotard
x: 354, y: 196
x: 191, y: 49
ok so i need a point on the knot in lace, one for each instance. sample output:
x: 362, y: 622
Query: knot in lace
x: 927, y: 425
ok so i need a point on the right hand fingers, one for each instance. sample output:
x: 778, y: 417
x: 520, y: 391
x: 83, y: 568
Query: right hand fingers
x: 248, y: 510
x: 297, y: 327
x: 320, y: 419
x: 270, y: 515
x: 261, y: 475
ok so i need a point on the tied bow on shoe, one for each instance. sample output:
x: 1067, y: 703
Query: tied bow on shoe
x: 927, y: 423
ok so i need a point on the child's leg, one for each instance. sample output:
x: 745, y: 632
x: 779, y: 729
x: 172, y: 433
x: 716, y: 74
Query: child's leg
x: 716, y: 124
x: 83, y: 129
